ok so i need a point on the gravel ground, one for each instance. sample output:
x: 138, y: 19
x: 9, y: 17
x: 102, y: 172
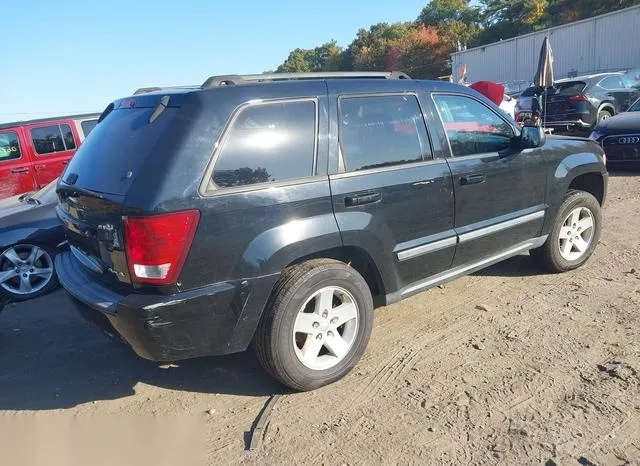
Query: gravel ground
x: 506, y: 366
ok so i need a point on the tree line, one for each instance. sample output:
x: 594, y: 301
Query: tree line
x: 423, y: 47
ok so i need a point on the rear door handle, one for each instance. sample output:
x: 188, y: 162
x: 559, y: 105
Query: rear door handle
x: 66, y: 162
x: 361, y: 199
x: 472, y: 179
x: 20, y: 170
x: 40, y: 167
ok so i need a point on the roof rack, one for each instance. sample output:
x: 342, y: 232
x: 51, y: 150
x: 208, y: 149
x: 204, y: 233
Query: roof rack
x: 145, y: 90
x: 234, y: 79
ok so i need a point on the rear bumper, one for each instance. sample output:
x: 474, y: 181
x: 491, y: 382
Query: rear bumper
x: 214, y: 320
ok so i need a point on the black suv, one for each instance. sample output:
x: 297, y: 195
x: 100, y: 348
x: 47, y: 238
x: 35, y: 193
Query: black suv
x: 279, y: 210
x: 579, y: 104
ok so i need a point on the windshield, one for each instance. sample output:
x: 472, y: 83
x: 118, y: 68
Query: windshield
x: 635, y: 107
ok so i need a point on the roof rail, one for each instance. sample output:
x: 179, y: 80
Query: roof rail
x: 233, y: 79
x: 144, y: 90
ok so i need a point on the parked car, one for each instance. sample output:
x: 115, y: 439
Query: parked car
x: 579, y: 104
x: 30, y: 237
x: 279, y: 209
x: 32, y: 153
x: 619, y: 136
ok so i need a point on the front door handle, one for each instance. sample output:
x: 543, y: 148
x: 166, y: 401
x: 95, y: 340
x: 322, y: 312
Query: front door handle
x: 472, y: 179
x: 20, y: 170
x: 361, y: 199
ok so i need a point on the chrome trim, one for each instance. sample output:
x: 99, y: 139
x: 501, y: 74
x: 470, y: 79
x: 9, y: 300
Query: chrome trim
x: 64, y: 243
x: 617, y: 137
x: 402, y: 166
x: 427, y: 248
x: 500, y: 226
x: 567, y: 123
x: 461, y: 271
x: 85, y: 260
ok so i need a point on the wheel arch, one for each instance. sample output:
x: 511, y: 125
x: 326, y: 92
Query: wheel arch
x: 357, y: 258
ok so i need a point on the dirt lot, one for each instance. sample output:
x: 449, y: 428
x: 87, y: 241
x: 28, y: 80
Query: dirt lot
x: 503, y: 367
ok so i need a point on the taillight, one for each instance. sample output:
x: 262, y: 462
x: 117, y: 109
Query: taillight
x: 579, y: 98
x: 157, y: 246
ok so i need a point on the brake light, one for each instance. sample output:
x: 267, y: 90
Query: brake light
x: 579, y: 98
x: 157, y: 246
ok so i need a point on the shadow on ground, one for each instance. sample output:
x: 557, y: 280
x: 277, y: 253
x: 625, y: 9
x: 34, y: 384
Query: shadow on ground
x: 50, y: 358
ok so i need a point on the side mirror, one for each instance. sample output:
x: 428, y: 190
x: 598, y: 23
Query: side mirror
x: 531, y: 137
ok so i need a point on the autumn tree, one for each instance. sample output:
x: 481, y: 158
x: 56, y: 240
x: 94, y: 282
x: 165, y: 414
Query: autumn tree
x: 455, y: 20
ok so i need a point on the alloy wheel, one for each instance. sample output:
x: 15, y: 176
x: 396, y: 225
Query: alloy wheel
x: 576, y: 234
x: 325, y: 328
x: 25, y: 269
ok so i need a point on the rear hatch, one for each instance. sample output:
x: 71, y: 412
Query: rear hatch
x: 93, y: 189
x: 564, y: 101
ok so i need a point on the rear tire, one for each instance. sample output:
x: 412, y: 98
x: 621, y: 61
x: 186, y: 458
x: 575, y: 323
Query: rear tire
x: 574, y: 236
x: 316, y: 325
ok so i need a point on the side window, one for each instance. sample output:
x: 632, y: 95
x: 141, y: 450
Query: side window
x: 612, y: 83
x: 67, y: 134
x: 472, y: 127
x: 381, y: 131
x: 50, y: 139
x: 87, y: 126
x: 9, y: 146
x: 268, y: 142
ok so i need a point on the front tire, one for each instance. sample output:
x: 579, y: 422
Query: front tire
x: 316, y: 325
x: 574, y: 236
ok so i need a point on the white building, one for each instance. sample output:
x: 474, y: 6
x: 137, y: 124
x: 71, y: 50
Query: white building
x: 609, y: 42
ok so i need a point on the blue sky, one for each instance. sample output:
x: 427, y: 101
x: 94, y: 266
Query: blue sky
x: 77, y: 56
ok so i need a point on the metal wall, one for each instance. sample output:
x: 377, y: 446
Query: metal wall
x: 609, y: 42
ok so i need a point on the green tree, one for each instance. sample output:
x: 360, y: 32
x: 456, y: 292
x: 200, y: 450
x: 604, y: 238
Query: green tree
x: 372, y: 48
x: 455, y: 20
x: 327, y: 57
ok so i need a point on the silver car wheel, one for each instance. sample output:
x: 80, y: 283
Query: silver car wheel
x: 325, y: 328
x: 25, y: 269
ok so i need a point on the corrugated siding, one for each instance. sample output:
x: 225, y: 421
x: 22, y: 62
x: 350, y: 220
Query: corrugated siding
x: 605, y: 43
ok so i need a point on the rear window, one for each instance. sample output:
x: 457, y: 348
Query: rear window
x: 268, y: 143
x: 570, y: 88
x: 87, y: 126
x: 528, y: 92
x: 110, y: 159
x: 9, y: 146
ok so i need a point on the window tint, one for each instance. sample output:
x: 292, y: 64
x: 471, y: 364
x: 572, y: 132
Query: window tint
x: 472, y: 128
x: 612, y: 83
x: 382, y: 131
x: 9, y: 146
x: 67, y: 134
x: 268, y: 142
x: 569, y: 88
x: 50, y: 139
x: 87, y: 126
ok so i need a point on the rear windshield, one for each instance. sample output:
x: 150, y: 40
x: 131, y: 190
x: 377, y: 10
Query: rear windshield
x: 569, y: 88
x: 528, y: 92
x: 110, y: 159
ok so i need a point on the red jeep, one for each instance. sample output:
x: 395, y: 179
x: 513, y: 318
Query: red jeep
x: 33, y: 153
